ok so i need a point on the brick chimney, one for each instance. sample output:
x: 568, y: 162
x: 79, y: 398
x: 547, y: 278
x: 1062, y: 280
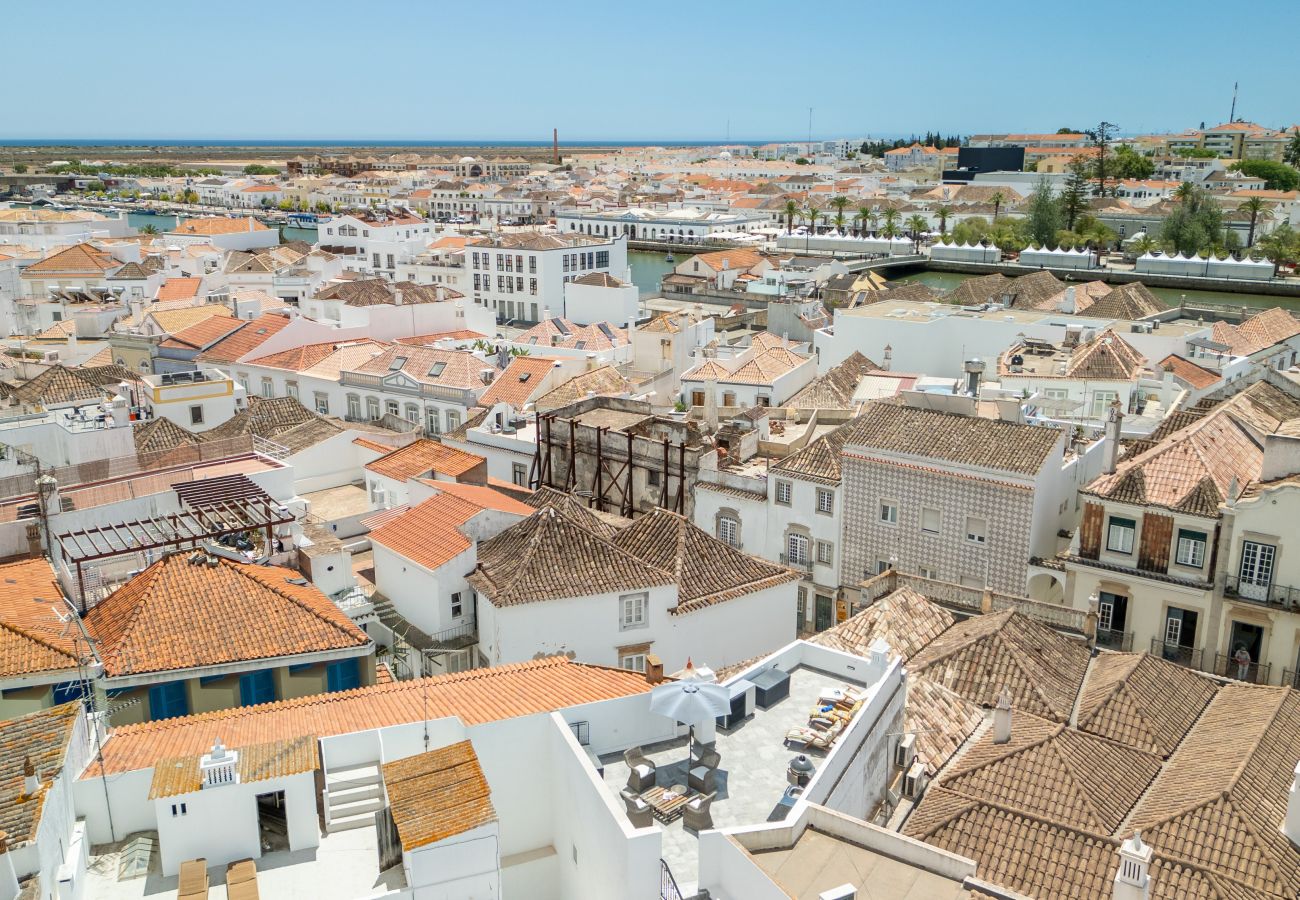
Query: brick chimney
x: 654, y: 669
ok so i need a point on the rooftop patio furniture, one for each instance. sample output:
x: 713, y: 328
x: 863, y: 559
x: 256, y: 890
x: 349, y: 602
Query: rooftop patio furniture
x: 641, y: 771
x: 667, y: 803
x: 813, y: 737
x: 241, y: 880
x: 192, y: 883
x: 638, y: 811
x: 770, y: 687
x: 696, y: 815
x: 702, y: 779
x: 842, y: 695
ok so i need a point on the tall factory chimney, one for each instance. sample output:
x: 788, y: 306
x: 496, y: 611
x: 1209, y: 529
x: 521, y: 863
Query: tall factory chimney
x: 555, y: 142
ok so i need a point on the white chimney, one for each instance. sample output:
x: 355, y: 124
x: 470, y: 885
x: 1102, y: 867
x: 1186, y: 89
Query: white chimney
x: 31, y: 784
x: 219, y: 766
x: 1132, y: 881
x: 1068, y: 303
x: 889, y: 358
x: 1291, y: 826
x: 1110, y: 450
x: 1002, y: 718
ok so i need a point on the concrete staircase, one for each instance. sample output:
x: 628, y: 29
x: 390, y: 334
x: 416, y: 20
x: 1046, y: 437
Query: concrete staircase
x: 352, y: 795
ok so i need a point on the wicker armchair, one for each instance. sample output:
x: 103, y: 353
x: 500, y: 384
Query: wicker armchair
x: 641, y: 771
x: 638, y: 811
x: 696, y: 816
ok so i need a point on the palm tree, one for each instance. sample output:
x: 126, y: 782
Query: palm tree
x: 839, y: 203
x: 917, y: 224
x: 1184, y: 192
x: 1254, y: 207
x: 810, y: 214
x: 874, y: 218
x: 149, y: 229
x: 997, y: 200
x: 791, y: 210
x: 1144, y: 245
x: 943, y: 212
x: 891, y: 222
x: 864, y: 214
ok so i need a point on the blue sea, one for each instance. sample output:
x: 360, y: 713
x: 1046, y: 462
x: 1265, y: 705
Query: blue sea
x: 186, y: 142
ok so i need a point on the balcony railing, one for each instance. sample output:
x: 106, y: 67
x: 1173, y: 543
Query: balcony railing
x: 1177, y: 653
x: 1250, y: 672
x: 803, y: 563
x: 1276, y: 595
x: 1110, y: 639
x: 1291, y: 678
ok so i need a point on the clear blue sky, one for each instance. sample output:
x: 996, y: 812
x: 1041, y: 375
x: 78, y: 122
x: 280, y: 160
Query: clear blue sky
x: 618, y: 70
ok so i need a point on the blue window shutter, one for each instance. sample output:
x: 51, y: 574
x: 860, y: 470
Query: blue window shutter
x: 168, y: 700
x: 257, y: 687
x: 343, y: 675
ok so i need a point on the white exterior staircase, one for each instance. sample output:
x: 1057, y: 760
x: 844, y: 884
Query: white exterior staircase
x: 352, y: 795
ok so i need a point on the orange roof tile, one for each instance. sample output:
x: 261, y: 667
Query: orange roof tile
x: 1190, y: 372
x: 438, y: 794
x: 205, y: 333
x: 218, y: 225
x: 32, y: 637
x: 179, y: 289
x: 296, y: 359
x: 476, y: 697
x: 518, y: 382
x: 422, y: 456
x: 79, y: 259
x: 244, y: 341
x: 372, y: 445
x: 181, y: 615
x: 485, y: 496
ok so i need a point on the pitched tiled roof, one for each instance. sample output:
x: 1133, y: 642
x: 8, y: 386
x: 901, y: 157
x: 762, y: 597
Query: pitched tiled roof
x: 257, y: 762
x: 429, y: 533
x: 162, y: 434
x: 211, y: 225
x: 207, y: 331
x: 1189, y: 373
x: 1223, y: 794
x: 79, y: 259
x: 296, y: 359
x: 941, y: 719
x: 264, y: 417
x: 172, y: 321
x: 1192, y: 470
x: 1040, y: 668
x: 820, y: 460
x: 603, y: 382
x: 966, y: 440
x: 57, y: 385
x: 475, y: 696
x: 1130, y: 301
x: 573, y: 509
x: 423, y: 456
x: 517, y: 383
x: 244, y: 341
x: 1107, y: 356
x: 1259, y: 332
x: 454, y: 368
x: 547, y: 556
x: 1052, y: 771
x: 555, y: 332
x: 903, y: 619
x: 1142, y: 701
x: 835, y: 389
x: 180, y: 615
x: 438, y: 794
x: 43, y: 737
x: 707, y: 571
x: 33, y: 640
x: 178, y: 289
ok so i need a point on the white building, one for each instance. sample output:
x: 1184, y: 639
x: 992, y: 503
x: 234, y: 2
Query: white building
x: 519, y: 275
x: 689, y: 224
x: 600, y: 297
x: 197, y: 400
x: 374, y: 242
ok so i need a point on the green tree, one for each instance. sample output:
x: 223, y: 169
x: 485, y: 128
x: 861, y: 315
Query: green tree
x: 1074, y: 196
x: 972, y: 230
x: 1281, y: 247
x: 810, y: 216
x: 873, y: 216
x: 1254, y: 207
x: 149, y: 229
x: 943, y: 212
x: 1101, y: 137
x: 1290, y: 156
x: 1128, y: 163
x: 1184, y: 192
x: 840, y: 203
x: 1277, y: 176
x: 1144, y: 245
x: 1195, y: 153
x: 997, y: 200
x: 255, y: 169
x: 1195, y: 224
x: 1043, y: 214
x: 863, y: 216
x: 791, y: 210
x: 891, y: 216
x: 20, y: 168
x: 801, y: 161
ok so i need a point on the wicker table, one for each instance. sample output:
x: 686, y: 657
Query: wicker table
x: 667, y: 804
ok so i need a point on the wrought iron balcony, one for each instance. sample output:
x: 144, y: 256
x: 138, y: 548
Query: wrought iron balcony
x: 1250, y: 672
x: 1177, y: 653
x: 1278, y: 596
x: 1121, y: 641
x: 803, y: 563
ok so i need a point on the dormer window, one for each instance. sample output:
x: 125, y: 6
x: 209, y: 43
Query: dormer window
x: 438, y: 369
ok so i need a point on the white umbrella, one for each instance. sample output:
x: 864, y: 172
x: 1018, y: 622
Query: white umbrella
x: 691, y: 703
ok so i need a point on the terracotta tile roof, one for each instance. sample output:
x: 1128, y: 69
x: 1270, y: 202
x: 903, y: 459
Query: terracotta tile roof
x: 423, y: 456
x: 171, y: 321
x: 965, y: 440
x: 476, y: 696
x: 835, y: 389
x: 1223, y: 794
x: 44, y: 737
x: 455, y: 368
x: 485, y: 496
x: 346, y: 357
x: 296, y: 359
x: 736, y: 259
x: 575, y: 510
x: 1106, y: 357
x: 819, y: 461
x: 179, y: 615
x: 459, y: 334
x: 438, y: 794
x: 763, y: 368
x: 556, y: 332
x: 548, y: 557
x: 207, y: 331
x: 374, y: 446
x: 265, y: 417
x: 902, y: 618
x: 58, y: 385
x: 603, y: 382
x: 1188, y: 372
x: 179, y: 289
x: 244, y: 341
x: 707, y: 571
x: 33, y: 640
x: 256, y: 762
x: 428, y: 534
x: 212, y: 225
x: 1127, y: 301
x: 79, y: 259
x: 941, y: 719
x: 517, y: 383
x: 977, y: 658
x: 1142, y: 701
x: 1259, y: 332
x: 1052, y: 771
x: 1192, y: 470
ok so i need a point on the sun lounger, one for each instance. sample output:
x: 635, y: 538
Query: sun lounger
x: 241, y: 880
x: 814, y: 737
x: 192, y: 883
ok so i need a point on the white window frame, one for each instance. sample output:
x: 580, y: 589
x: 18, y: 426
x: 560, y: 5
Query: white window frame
x: 634, y: 611
x: 888, y: 512
x: 825, y: 502
x: 633, y: 662
x: 796, y: 548
x: 1126, y: 546
x: 825, y: 553
x: 731, y: 524
x: 1195, y: 558
x: 784, y: 489
x: 925, y: 510
x: 980, y: 534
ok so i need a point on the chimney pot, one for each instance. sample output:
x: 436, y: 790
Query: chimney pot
x: 1133, y: 881
x: 1002, y: 718
x: 31, y: 784
x: 1110, y: 450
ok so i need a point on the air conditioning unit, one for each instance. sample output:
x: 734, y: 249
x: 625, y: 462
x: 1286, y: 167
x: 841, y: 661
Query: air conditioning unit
x: 914, y: 781
x: 905, y: 752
